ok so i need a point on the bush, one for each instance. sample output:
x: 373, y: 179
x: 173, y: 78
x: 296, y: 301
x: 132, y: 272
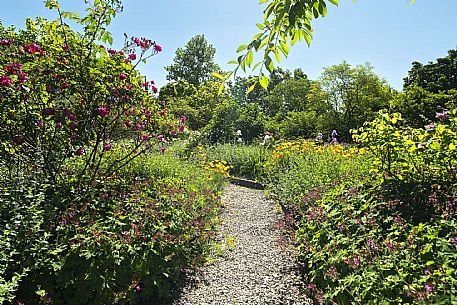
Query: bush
x: 128, y: 239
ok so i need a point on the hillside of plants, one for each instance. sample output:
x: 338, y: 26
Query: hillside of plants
x: 110, y: 186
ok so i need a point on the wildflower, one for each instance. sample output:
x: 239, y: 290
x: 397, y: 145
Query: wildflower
x: 334, y: 133
x: 430, y: 127
x: 59, y: 125
x: 80, y: 151
x: 428, y: 288
x: 154, y: 89
x: 132, y: 56
x: 122, y: 76
x: 65, y: 47
x: 238, y: 133
x: 107, y: 147
x: 453, y: 240
x: 5, y: 81
x: 319, y: 137
x: 442, y: 116
x: 103, y: 111
x: 39, y: 124
x: 145, y: 137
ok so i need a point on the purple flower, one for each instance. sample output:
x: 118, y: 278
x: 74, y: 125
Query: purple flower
x: 80, y: 151
x: 103, y: 111
x: 442, y: 116
x: 107, y: 147
x: 453, y: 240
x: 428, y: 288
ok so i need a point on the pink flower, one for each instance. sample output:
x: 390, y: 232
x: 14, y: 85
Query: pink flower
x: 39, y: 124
x: 428, y: 288
x: 12, y: 68
x: 65, y: 47
x: 122, y: 76
x: 23, y: 77
x: 5, y: 81
x: 157, y: 48
x: 154, y: 89
x: 6, y: 42
x: 107, y: 147
x: 59, y: 125
x: 103, y: 111
x: 72, y: 126
x: 162, y: 149
x: 33, y: 49
x: 145, y: 137
x: 111, y: 51
x: 80, y: 151
x: 132, y: 56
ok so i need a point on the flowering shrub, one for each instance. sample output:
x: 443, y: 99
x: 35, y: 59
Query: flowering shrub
x: 82, y: 221
x: 391, y: 236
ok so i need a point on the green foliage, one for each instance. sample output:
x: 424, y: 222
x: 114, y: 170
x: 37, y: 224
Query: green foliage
x: 84, y: 219
x: 246, y: 161
x: 436, y: 76
x: 356, y: 94
x: 194, y: 63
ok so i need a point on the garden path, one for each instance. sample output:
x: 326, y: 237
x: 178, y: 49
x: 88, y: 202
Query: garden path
x: 257, y: 269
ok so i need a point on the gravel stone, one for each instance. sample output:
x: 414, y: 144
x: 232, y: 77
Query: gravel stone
x: 257, y: 270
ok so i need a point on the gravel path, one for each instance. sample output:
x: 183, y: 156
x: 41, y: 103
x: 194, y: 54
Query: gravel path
x: 256, y: 270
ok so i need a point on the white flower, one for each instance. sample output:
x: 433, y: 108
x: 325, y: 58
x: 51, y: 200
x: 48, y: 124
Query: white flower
x: 238, y: 133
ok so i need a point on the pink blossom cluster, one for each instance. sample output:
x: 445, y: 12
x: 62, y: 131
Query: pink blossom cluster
x: 6, y: 42
x: 33, y: 49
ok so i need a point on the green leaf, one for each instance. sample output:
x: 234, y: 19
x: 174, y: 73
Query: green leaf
x: 232, y: 62
x: 284, y: 47
x: 250, y: 89
x: 264, y: 81
x: 249, y: 58
x: 241, y: 48
x: 217, y: 75
x: 335, y: 2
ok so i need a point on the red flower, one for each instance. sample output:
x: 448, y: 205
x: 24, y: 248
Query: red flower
x: 65, y: 47
x: 154, y: 88
x: 132, y: 56
x: 103, y: 111
x: 59, y: 125
x: 112, y: 52
x: 122, y: 76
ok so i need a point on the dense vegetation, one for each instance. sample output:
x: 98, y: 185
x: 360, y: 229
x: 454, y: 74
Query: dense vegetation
x: 109, y: 191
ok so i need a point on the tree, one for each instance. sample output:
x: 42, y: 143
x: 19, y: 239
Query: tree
x: 194, y: 63
x: 357, y: 94
x: 434, y: 76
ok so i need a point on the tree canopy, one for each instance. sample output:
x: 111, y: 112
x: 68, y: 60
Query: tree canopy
x: 193, y: 63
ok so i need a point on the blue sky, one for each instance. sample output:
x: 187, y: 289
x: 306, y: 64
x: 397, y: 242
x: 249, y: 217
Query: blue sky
x: 389, y: 34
